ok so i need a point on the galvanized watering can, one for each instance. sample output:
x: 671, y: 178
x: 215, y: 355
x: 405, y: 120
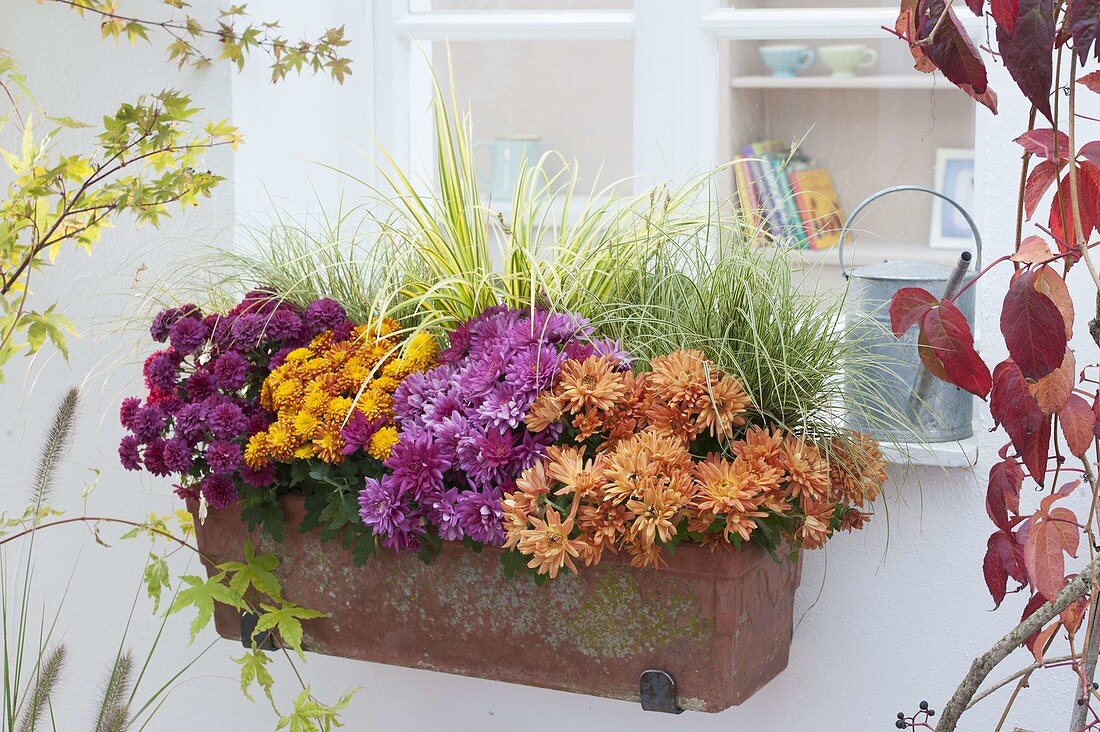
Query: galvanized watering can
x: 888, y: 392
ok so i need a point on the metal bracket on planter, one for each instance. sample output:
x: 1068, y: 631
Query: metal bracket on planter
x: 658, y: 692
x: 265, y: 641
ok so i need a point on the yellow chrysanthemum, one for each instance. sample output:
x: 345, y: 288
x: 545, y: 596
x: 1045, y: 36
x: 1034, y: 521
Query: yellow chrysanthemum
x: 317, y: 387
x: 382, y: 442
x: 255, y: 452
x: 329, y: 444
x: 305, y: 424
x: 281, y: 441
x: 298, y: 354
x: 287, y: 395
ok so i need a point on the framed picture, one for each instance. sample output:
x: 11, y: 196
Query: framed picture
x: 954, y: 178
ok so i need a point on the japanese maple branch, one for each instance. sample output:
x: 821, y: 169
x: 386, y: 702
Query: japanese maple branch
x: 984, y: 664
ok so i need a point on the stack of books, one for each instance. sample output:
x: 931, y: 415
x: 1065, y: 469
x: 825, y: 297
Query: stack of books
x: 786, y: 198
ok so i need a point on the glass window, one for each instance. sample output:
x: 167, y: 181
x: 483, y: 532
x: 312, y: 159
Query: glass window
x: 524, y: 97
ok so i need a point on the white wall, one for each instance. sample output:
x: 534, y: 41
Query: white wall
x: 888, y: 617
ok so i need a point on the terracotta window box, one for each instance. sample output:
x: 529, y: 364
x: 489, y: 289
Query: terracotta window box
x: 719, y: 624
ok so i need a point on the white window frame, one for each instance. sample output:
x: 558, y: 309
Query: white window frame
x: 676, y: 74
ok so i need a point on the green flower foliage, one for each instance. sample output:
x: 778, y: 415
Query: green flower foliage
x: 234, y: 37
x: 145, y: 160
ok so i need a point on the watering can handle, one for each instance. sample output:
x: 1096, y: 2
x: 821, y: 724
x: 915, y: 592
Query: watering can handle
x: 844, y: 231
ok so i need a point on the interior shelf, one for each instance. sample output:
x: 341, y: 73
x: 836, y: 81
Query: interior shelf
x: 878, y: 81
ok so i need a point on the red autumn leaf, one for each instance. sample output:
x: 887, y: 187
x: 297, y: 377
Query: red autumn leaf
x: 1073, y: 615
x: 929, y: 358
x: 1004, y: 14
x: 1091, y: 150
x: 1046, y: 144
x: 1064, y: 521
x: 907, y: 306
x: 1083, y: 23
x: 1051, y: 284
x: 1091, y: 81
x: 1027, y: 51
x: 1052, y: 391
x: 1044, y: 556
x: 1033, y: 249
x: 1078, y: 424
x: 1036, y: 451
x: 993, y: 568
x: 1003, y: 493
x: 1013, y: 407
x: 1096, y: 414
x: 1061, y: 221
x: 952, y: 51
x: 1033, y: 328
x: 948, y: 333
x: 1038, y: 642
x: 975, y: 6
x: 1038, y: 183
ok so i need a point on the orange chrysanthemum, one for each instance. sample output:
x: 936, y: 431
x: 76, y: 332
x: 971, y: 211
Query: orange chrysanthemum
x: 806, y: 468
x: 590, y: 384
x: 857, y: 468
x: 549, y: 544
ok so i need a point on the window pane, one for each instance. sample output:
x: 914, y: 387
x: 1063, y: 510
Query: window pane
x: 526, y: 97
x: 861, y: 119
x: 445, y: 5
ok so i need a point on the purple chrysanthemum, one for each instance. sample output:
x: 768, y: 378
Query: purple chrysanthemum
x: 613, y: 350
x: 284, y: 325
x: 148, y: 422
x: 161, y: 370
x: 230, y: 371
x: 534, y: 368
x: 417, y: 467
x: 163, y: 321
x: 176, y: 455
x: 219, y: 491
x: 386, y: 510
x: 190, y: 422
x: 154, y: 458
x: 459, y: 345
x: 128, y: 453
x: 504, y: 408
x: 258, y: 478
x: 443, y: 514
x: 248, y: 329
x: 188, y: 335
x: 127, y: 411
x: 199, y: 386
x: 487, y: 457
x: 223, y: 456
x: 324, y: 314
x: 358, y: 431
x: 226, y: 421
x: 480, y: 514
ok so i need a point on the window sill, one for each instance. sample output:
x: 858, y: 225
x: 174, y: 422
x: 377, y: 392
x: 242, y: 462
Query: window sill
x: 960, y: 454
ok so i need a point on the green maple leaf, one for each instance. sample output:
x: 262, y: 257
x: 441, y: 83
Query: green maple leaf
x: 202, y: 595
x: 286, y: 620
x: 254, y: 670
x: 255, y: 570
x: 310, y: 715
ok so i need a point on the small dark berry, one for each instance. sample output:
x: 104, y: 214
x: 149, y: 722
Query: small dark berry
x: 931, y: 712
x: 901, y: 715
x: 900, y: 724
x: 1080, y: 702
x: 1095, y: 685
x: 924, y: 706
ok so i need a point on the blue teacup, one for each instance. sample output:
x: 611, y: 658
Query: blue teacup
x: 785, y: 60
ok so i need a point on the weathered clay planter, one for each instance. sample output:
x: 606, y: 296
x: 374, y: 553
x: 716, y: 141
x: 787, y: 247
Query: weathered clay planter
x: 719, y: 624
